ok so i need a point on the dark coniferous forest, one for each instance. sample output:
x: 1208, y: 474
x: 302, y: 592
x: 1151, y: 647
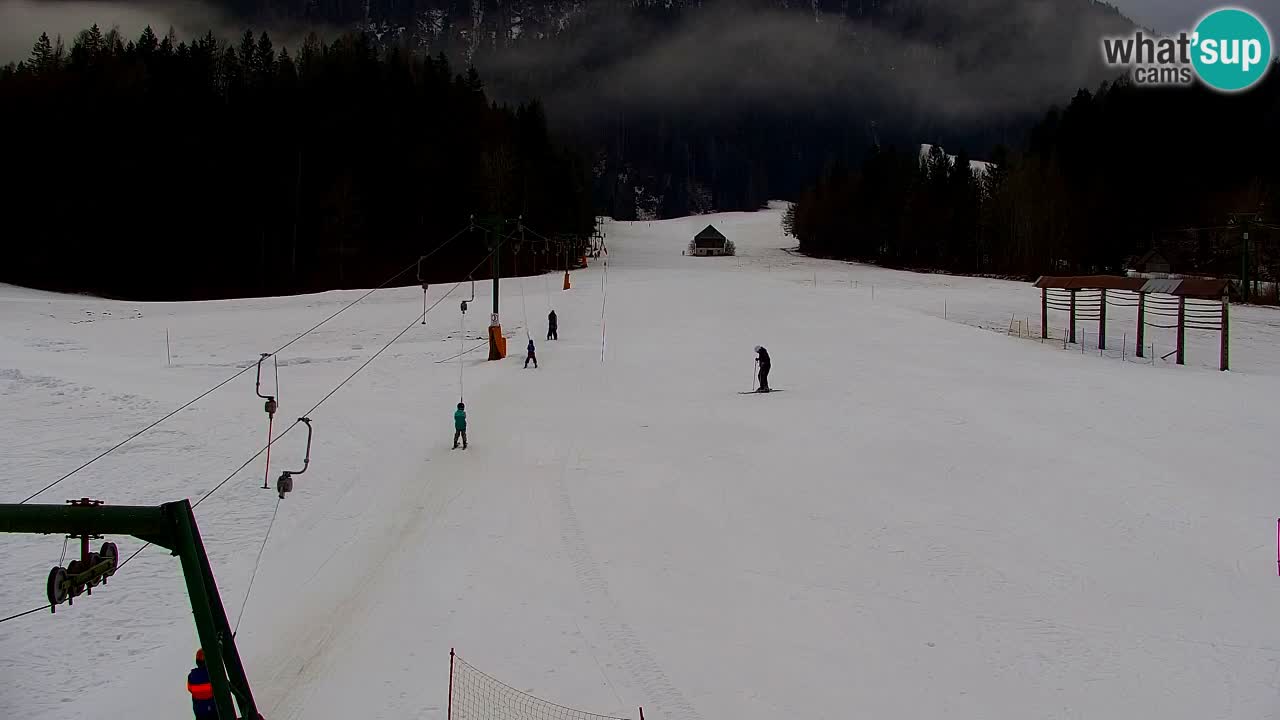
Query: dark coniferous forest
x: 153, y: 168
x: 688, y: 106
x: 1115, y: 173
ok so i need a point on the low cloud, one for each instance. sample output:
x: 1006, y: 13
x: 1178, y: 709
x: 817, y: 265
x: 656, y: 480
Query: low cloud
x: 987, y: 57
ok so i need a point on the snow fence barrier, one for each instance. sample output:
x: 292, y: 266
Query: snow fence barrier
x: 475, y: 695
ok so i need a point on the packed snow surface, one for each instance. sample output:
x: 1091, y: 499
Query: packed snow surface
x: 935, y: 519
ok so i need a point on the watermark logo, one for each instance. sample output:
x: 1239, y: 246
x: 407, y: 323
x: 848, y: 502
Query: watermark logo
x: 1229, y: 50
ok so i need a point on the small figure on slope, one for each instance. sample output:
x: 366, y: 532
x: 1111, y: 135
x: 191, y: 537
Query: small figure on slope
x: 460, y: 426
x: 762, y: 360
x: 531, y: 356
x: 551, y: 326
x: 201, y: 689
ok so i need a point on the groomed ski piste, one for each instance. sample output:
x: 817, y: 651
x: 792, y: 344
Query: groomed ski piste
x: 933, y: 520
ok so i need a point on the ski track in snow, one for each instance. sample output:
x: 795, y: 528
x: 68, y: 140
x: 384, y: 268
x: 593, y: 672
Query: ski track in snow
x: 931, y: 521
x: 663, y: 697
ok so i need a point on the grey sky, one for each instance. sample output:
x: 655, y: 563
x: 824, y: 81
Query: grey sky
x: 1171, y: 16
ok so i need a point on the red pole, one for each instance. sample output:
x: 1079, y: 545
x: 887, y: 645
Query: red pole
x: 449, y: 713
x: 266, y: 474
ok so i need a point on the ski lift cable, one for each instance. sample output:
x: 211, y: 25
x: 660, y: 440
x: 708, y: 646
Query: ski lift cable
x: 122, y: 443
x: 604, y: 300
x: 462, y: 339
x: 256, y: 563
x: 453, y: 357
x: 330, y: 394
x: 524, y: 308
x: 246, y: 368
x: 340, y: 385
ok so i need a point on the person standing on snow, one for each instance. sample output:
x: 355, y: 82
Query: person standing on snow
x: 762, y: 360
x: 460, y: 426
x: 201, y: 689
x: 531, y: 356
x: 551, y: 326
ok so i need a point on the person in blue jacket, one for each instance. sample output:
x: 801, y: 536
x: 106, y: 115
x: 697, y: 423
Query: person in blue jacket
x: 201, y: 689
x: 460, y: 426
x: 531, y: 356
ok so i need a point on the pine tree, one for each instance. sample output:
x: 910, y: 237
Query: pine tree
x: 473, y: 82
x: 963, y: 203
x: 264, y: 58
x: 286, y: 72
x: 229, y: 72
x: 248, y: 52
x: 148, y: 42
x: 41, y: 60
x: 87, y: 47
x: 113, y: 42
x: 789, y: 221
x: 309, y: 53
x: 168, y: 45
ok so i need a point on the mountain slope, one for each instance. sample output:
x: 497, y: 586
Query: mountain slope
x: 933, y: 520
x: 692, y: 105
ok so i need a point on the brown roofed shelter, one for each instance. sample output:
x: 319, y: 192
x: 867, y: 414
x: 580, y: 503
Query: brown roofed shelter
x: 1211, y: 312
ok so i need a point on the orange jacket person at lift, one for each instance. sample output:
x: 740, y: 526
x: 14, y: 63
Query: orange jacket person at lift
x: 201, y: 690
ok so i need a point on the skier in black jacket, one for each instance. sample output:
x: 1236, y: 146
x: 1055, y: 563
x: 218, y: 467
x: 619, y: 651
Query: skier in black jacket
x: 762, y: 359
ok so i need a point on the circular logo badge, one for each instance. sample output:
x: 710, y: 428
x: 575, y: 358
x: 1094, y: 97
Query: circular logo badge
x: 1232, y: 49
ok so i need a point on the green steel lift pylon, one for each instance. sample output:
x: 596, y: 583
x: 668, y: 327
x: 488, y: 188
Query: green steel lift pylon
x: 171, y: 526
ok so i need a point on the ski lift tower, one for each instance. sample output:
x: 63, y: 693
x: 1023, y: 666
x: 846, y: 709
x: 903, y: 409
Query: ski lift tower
x: 1244, y: 220
x: 171, y: 526
x: 495, y: 232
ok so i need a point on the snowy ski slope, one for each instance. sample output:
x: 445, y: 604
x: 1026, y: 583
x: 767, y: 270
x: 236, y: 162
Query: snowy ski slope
x: 935, y: 520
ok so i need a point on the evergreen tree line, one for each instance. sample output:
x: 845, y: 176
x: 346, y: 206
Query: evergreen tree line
x: 661, y: 164
x: 688, y: 106
x: 1113, y: 174
x: 162, y: 169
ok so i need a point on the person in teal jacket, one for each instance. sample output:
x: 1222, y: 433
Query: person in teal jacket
x: 460, y: 426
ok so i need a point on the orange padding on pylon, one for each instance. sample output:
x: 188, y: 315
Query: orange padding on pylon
x: 566, y: 279
x: 496, y: 340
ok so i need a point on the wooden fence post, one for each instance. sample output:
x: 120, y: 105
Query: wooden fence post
x: 1142, y: 320
x: 1071, y: 332
x: 1044, y: 313
x: 1182, y: 329
x: 1222, y: 359
x: 1102, y: 319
